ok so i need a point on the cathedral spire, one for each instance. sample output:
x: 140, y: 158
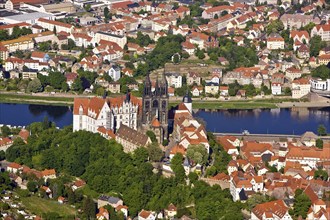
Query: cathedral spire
x: 147, y: 86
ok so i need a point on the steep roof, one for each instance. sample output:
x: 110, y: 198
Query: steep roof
x: 277, y: 207
x: 131, y: 135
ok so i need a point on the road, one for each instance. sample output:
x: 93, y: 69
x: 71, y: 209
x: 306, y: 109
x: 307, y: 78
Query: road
x: 266, y: 137
x: 175, y: 99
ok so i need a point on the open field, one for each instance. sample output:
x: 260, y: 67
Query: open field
x: 39, y: 206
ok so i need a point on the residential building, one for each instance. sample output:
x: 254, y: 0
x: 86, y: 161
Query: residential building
x: 320, y: 85
x: 193, y: 78
x: 295, y: 21
x: 197, y: 90
x: 121, y: 40
x: 114, y: 73
x: 131, y: 139
x: 230, y: 144
x: 40, y: 56
x: 275, y: 42
x: 21, y: 43
x: 224, y: 90
x: 146, y: 215
x: 57, y: 25
x: 104, y: 200
x: 271, y: 210
x: 300, y: 88
x: 212, y: 88
x: 324, y: 59
x: 322, y: 30
x: 174, y: 80
x: 308, y: 156
x: 188, y: 47
x: 114, y: 87
x: 276, y: 88
x: 3, y: 52
x: 301, y: 36
x: 293, y: 73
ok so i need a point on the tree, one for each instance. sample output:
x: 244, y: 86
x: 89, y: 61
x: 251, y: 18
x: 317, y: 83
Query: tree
x: 322, y: 174
x: 45, y: 46
x: 301, y: 204
x: 154, y: 152
x: 5, y: 131
x: 89, y: 208
x: 197, y: 153
x: 223, y: 13
x: 216, y: 16
x: 54, y: 30
x: 322, y: 130
x: 319, y: 143
x: 316, y: 44
x: 4, y: 35
x: 176, y: 166
x: 56, y: 79
x: 176, y: 58
x: 77, y: 85
x: 32, y: 186
x: 88, y: 7
x: 2, y: 155
x: 256, y: 199
x: 322, y: 72
x: 287, y: 91
x: 55, y: 45
x: 152, y: 136
x: 34, y: 86
x: 106, y: 13
x: 200, y: 54
x: 275, y: 26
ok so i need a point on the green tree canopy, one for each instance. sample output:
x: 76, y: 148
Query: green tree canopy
x: 322, y: 72
x: 197, y: 153
x: 34, y: 86
x: 176, y: 166
x: 316, y: 44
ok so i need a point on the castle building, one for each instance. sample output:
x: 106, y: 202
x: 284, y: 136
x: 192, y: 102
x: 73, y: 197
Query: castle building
x: 91, y: 113
x: 155, y: 107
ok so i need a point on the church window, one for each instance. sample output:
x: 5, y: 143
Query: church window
x: 155, y: 104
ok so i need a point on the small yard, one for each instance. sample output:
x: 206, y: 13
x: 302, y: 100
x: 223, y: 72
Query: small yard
x: 39, y: 206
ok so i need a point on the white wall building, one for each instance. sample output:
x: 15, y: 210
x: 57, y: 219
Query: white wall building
x: 90, y: 114
x: 276, y: 88
x: 300, y: 88
x: 114, y: 73
x: 174, y: 80
x: 321, y: 85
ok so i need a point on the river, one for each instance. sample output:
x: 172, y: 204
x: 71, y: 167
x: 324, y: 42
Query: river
x: 276, y: 121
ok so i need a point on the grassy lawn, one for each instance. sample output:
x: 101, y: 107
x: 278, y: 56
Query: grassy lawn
x: 21, y: 98
x: 39, y: 206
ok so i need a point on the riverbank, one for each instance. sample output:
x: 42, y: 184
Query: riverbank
x: 211, y: 104
x: 31, y: 99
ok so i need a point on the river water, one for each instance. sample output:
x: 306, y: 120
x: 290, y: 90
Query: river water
x: 277, y: 121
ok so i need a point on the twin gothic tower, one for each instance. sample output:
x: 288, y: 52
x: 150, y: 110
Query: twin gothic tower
x: 155, y: 107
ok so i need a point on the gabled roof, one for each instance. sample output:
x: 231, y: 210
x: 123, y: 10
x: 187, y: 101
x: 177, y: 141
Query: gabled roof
x: 277, y: 207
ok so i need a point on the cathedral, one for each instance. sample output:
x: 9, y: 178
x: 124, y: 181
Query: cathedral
x: 155, y: 107
x: 109, y: 113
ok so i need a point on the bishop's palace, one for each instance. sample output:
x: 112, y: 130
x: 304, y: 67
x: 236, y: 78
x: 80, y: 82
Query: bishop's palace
x: 126, y: 114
